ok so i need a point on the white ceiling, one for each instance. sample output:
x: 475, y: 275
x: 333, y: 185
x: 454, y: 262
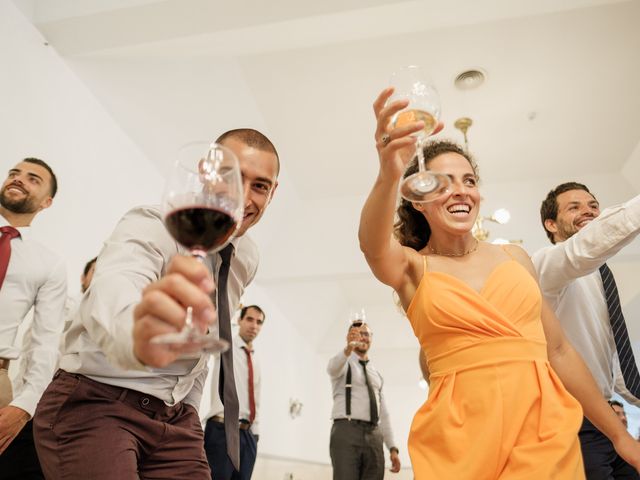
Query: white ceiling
x: 560, y: 103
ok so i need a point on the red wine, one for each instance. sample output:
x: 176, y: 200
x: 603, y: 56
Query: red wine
x: 200, y: 227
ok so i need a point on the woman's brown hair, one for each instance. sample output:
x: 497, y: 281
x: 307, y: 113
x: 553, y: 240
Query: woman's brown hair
x: 411, y: 228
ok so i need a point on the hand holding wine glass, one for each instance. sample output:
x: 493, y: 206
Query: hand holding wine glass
x: 203, y: 207
x: 357, y: 320
x: 161, y: 311
x: 421, y: 104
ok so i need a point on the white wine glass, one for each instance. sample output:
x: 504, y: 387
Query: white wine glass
x: 413, y: 84
x: 203, y: 206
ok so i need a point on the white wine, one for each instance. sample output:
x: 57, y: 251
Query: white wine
x: 406, y: 117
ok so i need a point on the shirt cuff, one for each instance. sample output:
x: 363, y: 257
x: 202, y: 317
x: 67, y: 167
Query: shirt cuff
x: 27, y: 403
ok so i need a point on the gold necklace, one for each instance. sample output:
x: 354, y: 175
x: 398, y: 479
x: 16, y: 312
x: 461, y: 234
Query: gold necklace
x: 471, y: 250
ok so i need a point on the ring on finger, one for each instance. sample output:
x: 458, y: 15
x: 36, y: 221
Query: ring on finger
x: 385, y: 139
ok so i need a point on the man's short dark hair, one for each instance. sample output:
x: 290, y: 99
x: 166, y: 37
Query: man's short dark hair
x: 87, y: 267
x: 244, y: 310
x: 252, y: 138
x: 549, y: 207
x: 43, y: 164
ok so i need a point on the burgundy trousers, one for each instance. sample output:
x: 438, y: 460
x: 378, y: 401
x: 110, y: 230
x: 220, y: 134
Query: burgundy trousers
x: 89, y: 430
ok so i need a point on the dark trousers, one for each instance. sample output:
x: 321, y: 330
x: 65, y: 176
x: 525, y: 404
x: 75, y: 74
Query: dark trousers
x: 356, y: 451
x: 89, y: 430
x: 601, y: 462
x: 215, y: 444
x: 20, y: 460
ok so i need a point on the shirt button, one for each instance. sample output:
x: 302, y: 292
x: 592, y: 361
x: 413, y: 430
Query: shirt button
x: 145, y: 401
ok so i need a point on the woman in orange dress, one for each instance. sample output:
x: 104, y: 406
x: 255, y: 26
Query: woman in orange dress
x: 507, y: 391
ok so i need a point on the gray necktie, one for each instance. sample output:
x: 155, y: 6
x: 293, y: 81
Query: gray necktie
x: 227, y: 384
x: 620, y: 334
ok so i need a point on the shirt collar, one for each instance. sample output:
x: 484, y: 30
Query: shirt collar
x: 24, y: 231
x: 241, y: 343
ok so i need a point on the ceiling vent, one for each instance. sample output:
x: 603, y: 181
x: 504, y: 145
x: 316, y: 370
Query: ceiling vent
x: 470, y: 79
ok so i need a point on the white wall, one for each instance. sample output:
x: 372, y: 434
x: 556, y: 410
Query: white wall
x: 47, y: 112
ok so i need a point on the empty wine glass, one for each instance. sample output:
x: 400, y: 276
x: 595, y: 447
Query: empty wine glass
x: 203, y: 206
x: 412, y: 83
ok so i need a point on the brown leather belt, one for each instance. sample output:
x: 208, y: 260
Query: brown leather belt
x: 244, y: 424
x: 4, y: 364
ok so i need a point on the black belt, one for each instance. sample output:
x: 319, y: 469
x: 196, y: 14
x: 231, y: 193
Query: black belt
x: 243, y: 424
x: 363, y: 423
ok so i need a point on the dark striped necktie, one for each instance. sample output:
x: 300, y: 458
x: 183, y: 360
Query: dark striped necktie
x: 620, y: 334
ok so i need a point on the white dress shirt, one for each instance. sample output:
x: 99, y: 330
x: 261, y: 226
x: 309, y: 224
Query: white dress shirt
x: 570, y: 281
x: 99, y: 342
x: 241, y: 376
x: 36, y: 277
x: 360, y: 409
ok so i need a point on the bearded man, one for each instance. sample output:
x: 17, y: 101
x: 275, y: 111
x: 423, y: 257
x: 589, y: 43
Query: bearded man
x: 30, y: 276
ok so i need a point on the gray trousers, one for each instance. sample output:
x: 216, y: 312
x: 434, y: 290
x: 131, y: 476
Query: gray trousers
x: 356, y: 451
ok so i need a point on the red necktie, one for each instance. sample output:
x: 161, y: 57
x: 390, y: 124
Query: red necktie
x: 252, y: 398
x: 5, y: 249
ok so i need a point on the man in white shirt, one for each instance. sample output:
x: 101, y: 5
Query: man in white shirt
x: 247, y: 376
x: 361, y: 422
x: 121, y: 406
x: 570, y: 278
x: 30, y: 276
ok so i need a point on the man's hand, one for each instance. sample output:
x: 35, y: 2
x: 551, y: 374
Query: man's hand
x: 353, y: 337
x: 163, y: 309
x: 12, y: 420
x: 395, y: 460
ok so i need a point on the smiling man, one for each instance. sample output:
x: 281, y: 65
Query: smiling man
x: 119, y: 396
x: 580, y: 287
x: 247, y: 378
x: 361, y: 422
x: 30, y: 276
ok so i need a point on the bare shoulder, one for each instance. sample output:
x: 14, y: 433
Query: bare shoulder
x: 521, y: 256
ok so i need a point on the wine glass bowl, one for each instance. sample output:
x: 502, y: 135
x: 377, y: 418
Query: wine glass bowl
x: 424, y: 186
x: 203, y: 199
x: 357, y: 319
x: 203, y: 206
x: 411, y: 83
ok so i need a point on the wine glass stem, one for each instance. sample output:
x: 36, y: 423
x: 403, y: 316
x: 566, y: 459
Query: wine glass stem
x: 201, y: 256
x: 420, y: 154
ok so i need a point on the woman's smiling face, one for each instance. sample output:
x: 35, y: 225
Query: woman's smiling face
x: 456, y: 211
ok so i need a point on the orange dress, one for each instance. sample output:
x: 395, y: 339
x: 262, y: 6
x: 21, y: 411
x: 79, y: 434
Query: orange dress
x: 496, y: 409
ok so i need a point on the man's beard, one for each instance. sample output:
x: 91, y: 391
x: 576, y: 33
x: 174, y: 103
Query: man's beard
x: 25, y: 205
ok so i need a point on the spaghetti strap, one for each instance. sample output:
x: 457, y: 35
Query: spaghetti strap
x: 507, y: 252
x: 424, y: 264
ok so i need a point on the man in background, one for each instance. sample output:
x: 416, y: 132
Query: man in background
x: 361, y: 422
x: 30, y: 276
x: 619, y: 409
x: 580, y: 287
x: 247, y: 377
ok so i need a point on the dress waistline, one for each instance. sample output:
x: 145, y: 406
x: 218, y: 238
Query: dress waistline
x: 487, y: 352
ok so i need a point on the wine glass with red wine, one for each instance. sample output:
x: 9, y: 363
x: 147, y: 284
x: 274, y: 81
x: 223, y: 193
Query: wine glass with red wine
x: 203, y: 205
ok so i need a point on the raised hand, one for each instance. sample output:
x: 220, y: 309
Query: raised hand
x: 162, y: 309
